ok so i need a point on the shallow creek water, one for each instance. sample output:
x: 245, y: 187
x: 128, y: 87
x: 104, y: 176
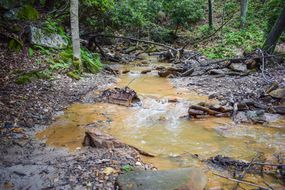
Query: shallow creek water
x: 158, y: 126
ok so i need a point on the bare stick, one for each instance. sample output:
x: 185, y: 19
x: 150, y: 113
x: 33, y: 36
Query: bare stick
x: 138, y: 40
x: 199, y: 40
x: 240, y: 181
x: 245, y: 171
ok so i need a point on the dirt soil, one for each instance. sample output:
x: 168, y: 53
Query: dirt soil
x: 25, y: 162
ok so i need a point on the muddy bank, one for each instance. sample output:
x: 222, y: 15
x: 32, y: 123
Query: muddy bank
x: 27, y: 163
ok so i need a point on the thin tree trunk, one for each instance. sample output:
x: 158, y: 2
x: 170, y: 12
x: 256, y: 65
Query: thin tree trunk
x: 243, y: 12
x: 75, y: 30
x: 275, y: 33
x: 210, y: 13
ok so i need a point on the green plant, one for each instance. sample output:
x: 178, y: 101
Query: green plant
x: 27, y: 12
x: 91, y: 61
x: 15, y: 45
x: 184, y: 13
x: 127, y: 168
x: 33, y: 75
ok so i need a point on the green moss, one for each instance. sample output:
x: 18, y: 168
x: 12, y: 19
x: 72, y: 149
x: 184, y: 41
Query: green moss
x: 15, y: 45
x: 75, y: 74
x: 33, y: 75
x: 28, y: 12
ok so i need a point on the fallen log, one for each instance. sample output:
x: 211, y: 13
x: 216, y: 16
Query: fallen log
x: 205, y: 109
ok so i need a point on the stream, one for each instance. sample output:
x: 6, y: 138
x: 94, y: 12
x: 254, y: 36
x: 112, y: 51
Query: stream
x: 158, y: 126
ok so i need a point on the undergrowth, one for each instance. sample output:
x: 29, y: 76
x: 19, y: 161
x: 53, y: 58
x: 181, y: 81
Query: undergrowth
x: 233, y: 40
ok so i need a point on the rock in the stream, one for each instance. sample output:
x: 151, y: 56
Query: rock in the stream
x: 125, y: 71
x: 121, y: 96
x: 146, y: 71
x: 240, y: 67
x: 179, y: 179
x: 43, y: 38
x: 97, y: 139
x: 256, y: 116
x: 169, y: 71
x: 278, y: 93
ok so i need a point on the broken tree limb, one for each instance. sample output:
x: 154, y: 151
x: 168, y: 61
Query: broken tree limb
x: 205, y: 109
x: 241, y: 181
x: 245, y: 171
x: 203, y: 38
x: 135, y: 39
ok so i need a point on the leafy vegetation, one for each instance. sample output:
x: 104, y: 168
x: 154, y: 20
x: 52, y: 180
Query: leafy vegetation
x: 127, y: 168
x: 161, y: 21
x: 27, y: 12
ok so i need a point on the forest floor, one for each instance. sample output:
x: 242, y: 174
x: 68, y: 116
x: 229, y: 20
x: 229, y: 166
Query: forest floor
x: 27, y: 163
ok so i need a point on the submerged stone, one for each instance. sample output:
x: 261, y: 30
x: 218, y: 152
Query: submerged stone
x: 180, y: 179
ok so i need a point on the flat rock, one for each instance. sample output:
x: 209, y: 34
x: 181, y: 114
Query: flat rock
x: 278, y: 93
x: 46, y: 39
x: 238, y: 67
x: 179, y: 179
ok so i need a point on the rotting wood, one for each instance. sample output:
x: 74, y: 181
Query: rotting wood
x: 205, y: 109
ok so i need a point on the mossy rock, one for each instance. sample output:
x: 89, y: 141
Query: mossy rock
x: 74, y: 74
x: 28, y: 12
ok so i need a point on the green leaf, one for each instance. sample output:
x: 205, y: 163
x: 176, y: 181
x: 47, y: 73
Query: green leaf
x: 30, y: 52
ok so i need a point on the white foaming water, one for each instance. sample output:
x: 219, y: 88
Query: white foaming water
x: 158, y: 112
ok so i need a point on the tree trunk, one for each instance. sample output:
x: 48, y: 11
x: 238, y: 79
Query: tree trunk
x: 275, y: 33
x: 210, y: 13
x: 243, y: 12
x: 75, y: 32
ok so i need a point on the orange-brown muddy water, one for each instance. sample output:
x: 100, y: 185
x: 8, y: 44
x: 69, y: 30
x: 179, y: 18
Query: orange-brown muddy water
x: 157, y: 127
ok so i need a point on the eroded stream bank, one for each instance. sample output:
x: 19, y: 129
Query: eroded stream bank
x: 158, y: 126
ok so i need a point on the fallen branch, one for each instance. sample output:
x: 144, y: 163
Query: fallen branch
x: 241, y: 181
x: 135, y: 39
x: 205, y: 109
x: 245, y: 171
x: 199, y: 40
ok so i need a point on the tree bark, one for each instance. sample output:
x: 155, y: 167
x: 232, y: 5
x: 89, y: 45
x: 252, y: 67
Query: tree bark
x: 210, y: 13
x: 275, y: 33
x: 75, y: 30
x: 243, y: 12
